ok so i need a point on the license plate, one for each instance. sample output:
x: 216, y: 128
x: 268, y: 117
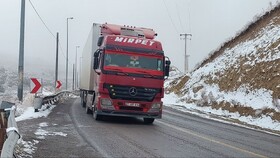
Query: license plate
x: 133, y: 104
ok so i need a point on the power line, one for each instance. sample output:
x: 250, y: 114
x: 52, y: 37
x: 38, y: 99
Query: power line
x: 170, y: 17
x: 46, y: 27
x: 189, y: 13
x: 42, y: 19
x: 179, y: 17
x: 61, y: 50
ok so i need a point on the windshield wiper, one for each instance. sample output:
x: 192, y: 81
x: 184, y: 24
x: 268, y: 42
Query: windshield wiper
x: 147, y: 74
x: 121, y: 72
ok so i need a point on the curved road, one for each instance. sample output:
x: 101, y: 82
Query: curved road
x: 178, y: 134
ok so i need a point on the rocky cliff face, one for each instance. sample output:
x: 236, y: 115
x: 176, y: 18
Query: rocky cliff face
x: 242, y: 76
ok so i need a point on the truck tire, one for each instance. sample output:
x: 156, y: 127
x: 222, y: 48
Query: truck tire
x: 149, y: 120
x: 96, y: 116
x: 83, y: 103
x: 88, y: 110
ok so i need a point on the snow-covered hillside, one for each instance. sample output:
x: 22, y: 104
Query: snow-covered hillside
x: 241, y: 80
x: 9, y: 86
x: 9, y: 83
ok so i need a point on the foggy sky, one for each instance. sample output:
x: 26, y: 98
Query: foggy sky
x: 211, y: 22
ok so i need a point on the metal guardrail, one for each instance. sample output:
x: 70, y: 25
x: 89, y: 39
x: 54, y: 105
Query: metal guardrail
x: 50, y: 99
x: 12, y: 133
x: 12, y: 129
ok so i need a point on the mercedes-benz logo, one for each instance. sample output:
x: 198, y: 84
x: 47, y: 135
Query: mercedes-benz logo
x: 133, y: 91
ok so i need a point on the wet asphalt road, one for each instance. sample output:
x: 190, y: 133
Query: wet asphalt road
x: 177, y: 134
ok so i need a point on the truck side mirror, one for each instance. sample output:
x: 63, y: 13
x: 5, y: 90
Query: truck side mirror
x: 95, y: 61
x: 167, y: 67
x: 100, y: 41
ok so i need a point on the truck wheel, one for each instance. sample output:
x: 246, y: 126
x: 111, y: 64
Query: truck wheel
x: 82, y: 102
x: 149, y: 120
x: 82, y: 99
x: 88, y: 110
x: 96, y: 116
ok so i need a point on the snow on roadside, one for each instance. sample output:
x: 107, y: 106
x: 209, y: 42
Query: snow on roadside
x: 25, y: 110
x: 29, y: 112
x: 26, y: 148
x: 257, y: 99
x: 266, y: 122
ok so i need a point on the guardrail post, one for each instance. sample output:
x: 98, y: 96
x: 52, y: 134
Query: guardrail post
x: 37, y: 103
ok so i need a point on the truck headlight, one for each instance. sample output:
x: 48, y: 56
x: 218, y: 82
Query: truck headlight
x: 105, y: 102
x: 156, y: 107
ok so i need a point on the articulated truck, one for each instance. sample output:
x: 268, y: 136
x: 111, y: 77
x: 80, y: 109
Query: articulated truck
x: 123, y: 72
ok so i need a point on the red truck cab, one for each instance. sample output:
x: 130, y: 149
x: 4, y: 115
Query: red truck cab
x: 130, y: 69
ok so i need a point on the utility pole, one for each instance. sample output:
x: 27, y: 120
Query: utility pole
x: 73, y: 76
x: 67, y: 54
x: 56, y: 60
x: 80, y: 70
x: 76, y: 68
x: 186, y: 56
x: 21, y: 52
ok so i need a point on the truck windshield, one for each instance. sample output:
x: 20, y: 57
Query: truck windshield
x: 133, y: 61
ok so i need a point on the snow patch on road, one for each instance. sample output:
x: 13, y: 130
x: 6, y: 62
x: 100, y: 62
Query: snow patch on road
x: 26, y: 148
x: 41, y: 133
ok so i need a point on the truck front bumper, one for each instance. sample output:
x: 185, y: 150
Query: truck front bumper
x: 128, y: 113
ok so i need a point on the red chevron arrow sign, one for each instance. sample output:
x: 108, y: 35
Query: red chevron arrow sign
x: 35, y: 86
x: 58, y: 84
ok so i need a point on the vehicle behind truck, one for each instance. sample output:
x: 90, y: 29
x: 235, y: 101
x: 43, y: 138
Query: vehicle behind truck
x: 123, y: 72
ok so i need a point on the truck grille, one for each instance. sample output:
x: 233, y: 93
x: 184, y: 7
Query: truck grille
x: 132, y: 93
